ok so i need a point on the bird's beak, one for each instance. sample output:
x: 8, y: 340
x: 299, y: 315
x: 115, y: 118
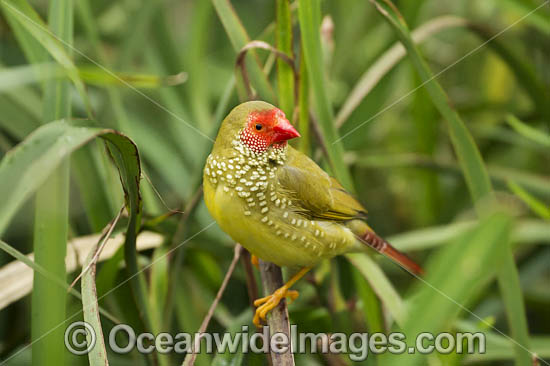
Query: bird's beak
x: 283, y: 131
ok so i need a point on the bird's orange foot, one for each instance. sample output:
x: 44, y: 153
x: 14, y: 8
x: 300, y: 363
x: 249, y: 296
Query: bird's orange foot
x: 254, y: 260
x: 268, y: 303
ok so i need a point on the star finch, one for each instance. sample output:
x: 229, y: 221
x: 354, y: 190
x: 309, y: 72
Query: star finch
x: 278, y: 203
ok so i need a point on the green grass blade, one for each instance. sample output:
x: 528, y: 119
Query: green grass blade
x: 498, y: 174
x: 99, y: 77
x: 50, y: 245
x: 18, y: 76
x: 309, y: 12
x: 380, y: 284
x: 540, y: 20
x: 43, y: 151
x: 198, y: 95
x: 126, y: 158
x: 29, y: 164
x: 373, y: 317
x: 469, y: 157
x: 528, y: 131
x: 98, y: 354
x: 51, y: 219
x: 468, y: 154
x: 93, y: 185
x: 523, y: 70
x: 303, y: 105
x: 508, y: 283
x: 285, y: 74
x: 533, y: 203
x: 23, y: 13
x: 157, y: 295
x: 453, y: 276
x: 385, y: 63
x: 239, y: 38
x: 15, y: 119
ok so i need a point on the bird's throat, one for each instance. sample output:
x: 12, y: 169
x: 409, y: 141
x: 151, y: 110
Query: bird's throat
x: 245, y: 172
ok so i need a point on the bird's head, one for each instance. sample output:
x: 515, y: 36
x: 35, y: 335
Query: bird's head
x: 260, y: 125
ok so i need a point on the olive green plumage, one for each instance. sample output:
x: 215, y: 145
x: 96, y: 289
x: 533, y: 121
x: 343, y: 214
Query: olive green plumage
x: 274, y: 200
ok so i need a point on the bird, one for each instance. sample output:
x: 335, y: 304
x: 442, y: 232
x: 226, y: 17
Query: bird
x: 278, y: 203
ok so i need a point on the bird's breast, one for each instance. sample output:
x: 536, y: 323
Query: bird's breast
x: 249, y: 204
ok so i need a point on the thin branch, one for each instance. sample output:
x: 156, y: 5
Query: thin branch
x: 108, y: 231
x: 272, y: 279
x: 190, y: 358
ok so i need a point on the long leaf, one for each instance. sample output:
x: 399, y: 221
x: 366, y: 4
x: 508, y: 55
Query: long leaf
x: 25, y: 15
x: 453, y: 276
x: 528, y: 131
x: 508, y: 283
x: 468, y: 154
x: 98, y: 354
x: 524, y: 72
x: 469, y: 157
x: 380, y: 284
x: 285, y: 74
x: 309, y: 12
x: 26, y: 167
x: 51, y: 218
x: 388, y: 60
x: 533, y: 203
x: 239, y: 38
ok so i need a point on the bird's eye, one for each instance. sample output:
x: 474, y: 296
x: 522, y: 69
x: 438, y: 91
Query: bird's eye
x: 258, y: 127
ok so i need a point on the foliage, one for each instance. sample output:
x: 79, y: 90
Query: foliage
x: 434, y: 113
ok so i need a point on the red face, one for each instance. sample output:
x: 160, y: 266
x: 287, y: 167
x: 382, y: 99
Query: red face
x: 266, y: 128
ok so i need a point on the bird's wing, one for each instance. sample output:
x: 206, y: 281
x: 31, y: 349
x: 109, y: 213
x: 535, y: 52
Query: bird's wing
x: 315, y: 192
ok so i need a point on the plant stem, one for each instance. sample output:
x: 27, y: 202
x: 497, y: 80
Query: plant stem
x: 272, y: 279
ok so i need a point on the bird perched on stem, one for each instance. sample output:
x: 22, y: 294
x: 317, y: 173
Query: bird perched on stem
x: 278, y: 203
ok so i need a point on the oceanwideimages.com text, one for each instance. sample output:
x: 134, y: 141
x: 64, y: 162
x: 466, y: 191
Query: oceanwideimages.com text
x: 80, y: 339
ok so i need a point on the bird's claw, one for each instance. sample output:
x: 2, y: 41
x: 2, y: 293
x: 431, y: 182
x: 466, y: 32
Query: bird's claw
x: 268, y: 303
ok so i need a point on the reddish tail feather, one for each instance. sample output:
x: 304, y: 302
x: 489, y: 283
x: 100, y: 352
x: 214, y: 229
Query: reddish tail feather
x: 380, y: 245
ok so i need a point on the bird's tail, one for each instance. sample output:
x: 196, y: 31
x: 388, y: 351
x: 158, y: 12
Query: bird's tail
x: 375, y: 242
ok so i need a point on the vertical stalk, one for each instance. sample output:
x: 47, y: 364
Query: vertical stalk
x: 51, y: 216
x: 285, y: 74
x: 309, y: 12
x: 272, y: 279
x: 303, y: 103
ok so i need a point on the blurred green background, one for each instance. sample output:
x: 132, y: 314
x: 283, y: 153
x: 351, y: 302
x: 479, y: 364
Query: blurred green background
x: 447, y: 144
